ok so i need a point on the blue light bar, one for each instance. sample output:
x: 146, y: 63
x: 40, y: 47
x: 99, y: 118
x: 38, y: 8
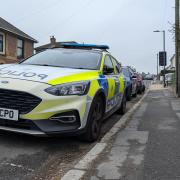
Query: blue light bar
x: 88, y: 46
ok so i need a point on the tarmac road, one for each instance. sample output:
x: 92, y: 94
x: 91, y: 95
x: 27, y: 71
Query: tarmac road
x: 26, y: 157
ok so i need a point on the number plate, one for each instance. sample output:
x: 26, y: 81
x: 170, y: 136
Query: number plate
x: 9, y: 114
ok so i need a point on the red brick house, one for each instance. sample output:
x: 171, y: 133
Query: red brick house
x: 14, y: 43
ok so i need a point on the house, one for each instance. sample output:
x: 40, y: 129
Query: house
x: 14, y: 43
x: 51, y: 44
x: 172, y: 65
x: 173, y: 62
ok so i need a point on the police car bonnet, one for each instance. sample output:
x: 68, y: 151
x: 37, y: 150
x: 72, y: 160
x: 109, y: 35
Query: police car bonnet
x: 35, y: 73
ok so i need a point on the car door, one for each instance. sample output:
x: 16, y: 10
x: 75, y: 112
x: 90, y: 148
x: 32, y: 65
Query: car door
x: 134, y: 83
x: 119, y: 81
x: 108, y: 65
x: 113, y: 83
x: 126, y: 77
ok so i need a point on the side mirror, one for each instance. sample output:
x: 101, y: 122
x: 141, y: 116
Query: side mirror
x: 108, y: 70
x: 134, y: 76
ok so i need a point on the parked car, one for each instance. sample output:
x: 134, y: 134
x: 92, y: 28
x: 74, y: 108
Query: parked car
x: 130, y: 82
x: 149, y: 77
x: 67, y: 90
x: 134, y: 81
x: 140, y: 84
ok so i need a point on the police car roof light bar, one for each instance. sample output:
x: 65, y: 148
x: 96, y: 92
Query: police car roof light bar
x: 84, y: 46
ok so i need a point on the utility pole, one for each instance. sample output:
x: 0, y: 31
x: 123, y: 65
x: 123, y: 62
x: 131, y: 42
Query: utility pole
x: 177, y: 47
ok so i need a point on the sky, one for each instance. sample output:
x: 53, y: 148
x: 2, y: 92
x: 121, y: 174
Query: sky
x: 125, y: 25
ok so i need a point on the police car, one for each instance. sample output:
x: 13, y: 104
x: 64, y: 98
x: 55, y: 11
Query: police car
x: 67, y: 90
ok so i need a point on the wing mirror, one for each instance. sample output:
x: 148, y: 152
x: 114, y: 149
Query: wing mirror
x: 108, y: 70
x: 134, y: 76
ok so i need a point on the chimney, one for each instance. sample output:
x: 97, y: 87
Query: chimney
x: 53, y: 41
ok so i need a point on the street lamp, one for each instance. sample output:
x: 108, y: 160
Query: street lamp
x: 158, y: 66
x: 164, y: 49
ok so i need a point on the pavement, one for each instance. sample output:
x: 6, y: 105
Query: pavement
x: 149, y: 147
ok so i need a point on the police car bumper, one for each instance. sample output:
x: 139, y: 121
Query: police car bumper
x: 61, y: 123
x: 41, y: 127
x: 48, y: 114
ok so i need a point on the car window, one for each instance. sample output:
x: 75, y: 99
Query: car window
x: 125, y: 72
x: 108, y: 62
x: 67, y: 58
x: 131, y: 72
x: 117, y: 65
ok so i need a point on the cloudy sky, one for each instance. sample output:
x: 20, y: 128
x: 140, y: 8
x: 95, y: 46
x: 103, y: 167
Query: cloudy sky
x: 125, y: 25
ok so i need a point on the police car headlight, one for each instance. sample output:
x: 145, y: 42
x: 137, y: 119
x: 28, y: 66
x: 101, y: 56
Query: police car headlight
x: 78, y: 88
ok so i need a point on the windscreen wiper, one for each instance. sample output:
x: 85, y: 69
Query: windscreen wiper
x: 45, y: 65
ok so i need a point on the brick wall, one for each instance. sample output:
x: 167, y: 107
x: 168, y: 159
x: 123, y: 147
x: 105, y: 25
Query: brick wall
x: 28, y: 48
x: 11, y: 47
x: 11, y: 44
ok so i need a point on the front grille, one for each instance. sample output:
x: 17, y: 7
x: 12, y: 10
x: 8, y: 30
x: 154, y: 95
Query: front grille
x: 17, y: 100
x: 20, y: 124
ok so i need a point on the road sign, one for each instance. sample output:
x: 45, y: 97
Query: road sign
x: 162, y: 58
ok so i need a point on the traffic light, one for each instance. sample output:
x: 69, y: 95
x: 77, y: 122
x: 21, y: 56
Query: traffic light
x: 162, y: 58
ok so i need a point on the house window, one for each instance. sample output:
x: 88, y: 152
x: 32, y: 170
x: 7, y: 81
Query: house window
x: 2, y: 43
x: 20, y: 49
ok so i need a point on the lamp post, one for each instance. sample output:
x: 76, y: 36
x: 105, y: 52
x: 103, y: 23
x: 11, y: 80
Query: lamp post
x: 157, y: 66
x: 164, y: 49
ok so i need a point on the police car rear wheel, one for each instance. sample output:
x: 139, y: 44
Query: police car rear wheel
x: 94, y: 121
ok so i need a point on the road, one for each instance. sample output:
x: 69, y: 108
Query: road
x: 26, y: 157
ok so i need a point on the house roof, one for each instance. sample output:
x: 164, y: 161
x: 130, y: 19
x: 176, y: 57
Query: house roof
x: 49, y: 45
x: 12, y: 29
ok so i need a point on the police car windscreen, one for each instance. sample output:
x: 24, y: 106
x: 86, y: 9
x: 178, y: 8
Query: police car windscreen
x: 67, y: 58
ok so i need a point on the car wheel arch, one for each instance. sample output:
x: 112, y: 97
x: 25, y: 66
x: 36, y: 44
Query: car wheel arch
x: 102, y: 94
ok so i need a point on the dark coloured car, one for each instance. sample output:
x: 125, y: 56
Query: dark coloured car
x: 134, y: 81
x: 130, y: 82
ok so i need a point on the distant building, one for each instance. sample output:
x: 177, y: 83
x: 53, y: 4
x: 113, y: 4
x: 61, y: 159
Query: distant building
x: 14, y: 43
x: 51, y: 44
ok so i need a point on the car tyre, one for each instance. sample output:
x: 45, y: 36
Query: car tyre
x: 122, y: 109
x: 94, y: 121
x: 144, y: 88
x: 135, y: 95
x: 140, y: 91
x: 129, y: 94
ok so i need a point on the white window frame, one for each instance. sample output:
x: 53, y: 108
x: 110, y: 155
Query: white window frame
x: 4, y: 43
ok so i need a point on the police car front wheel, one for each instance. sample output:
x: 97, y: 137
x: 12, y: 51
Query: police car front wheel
x: 94, y: 121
